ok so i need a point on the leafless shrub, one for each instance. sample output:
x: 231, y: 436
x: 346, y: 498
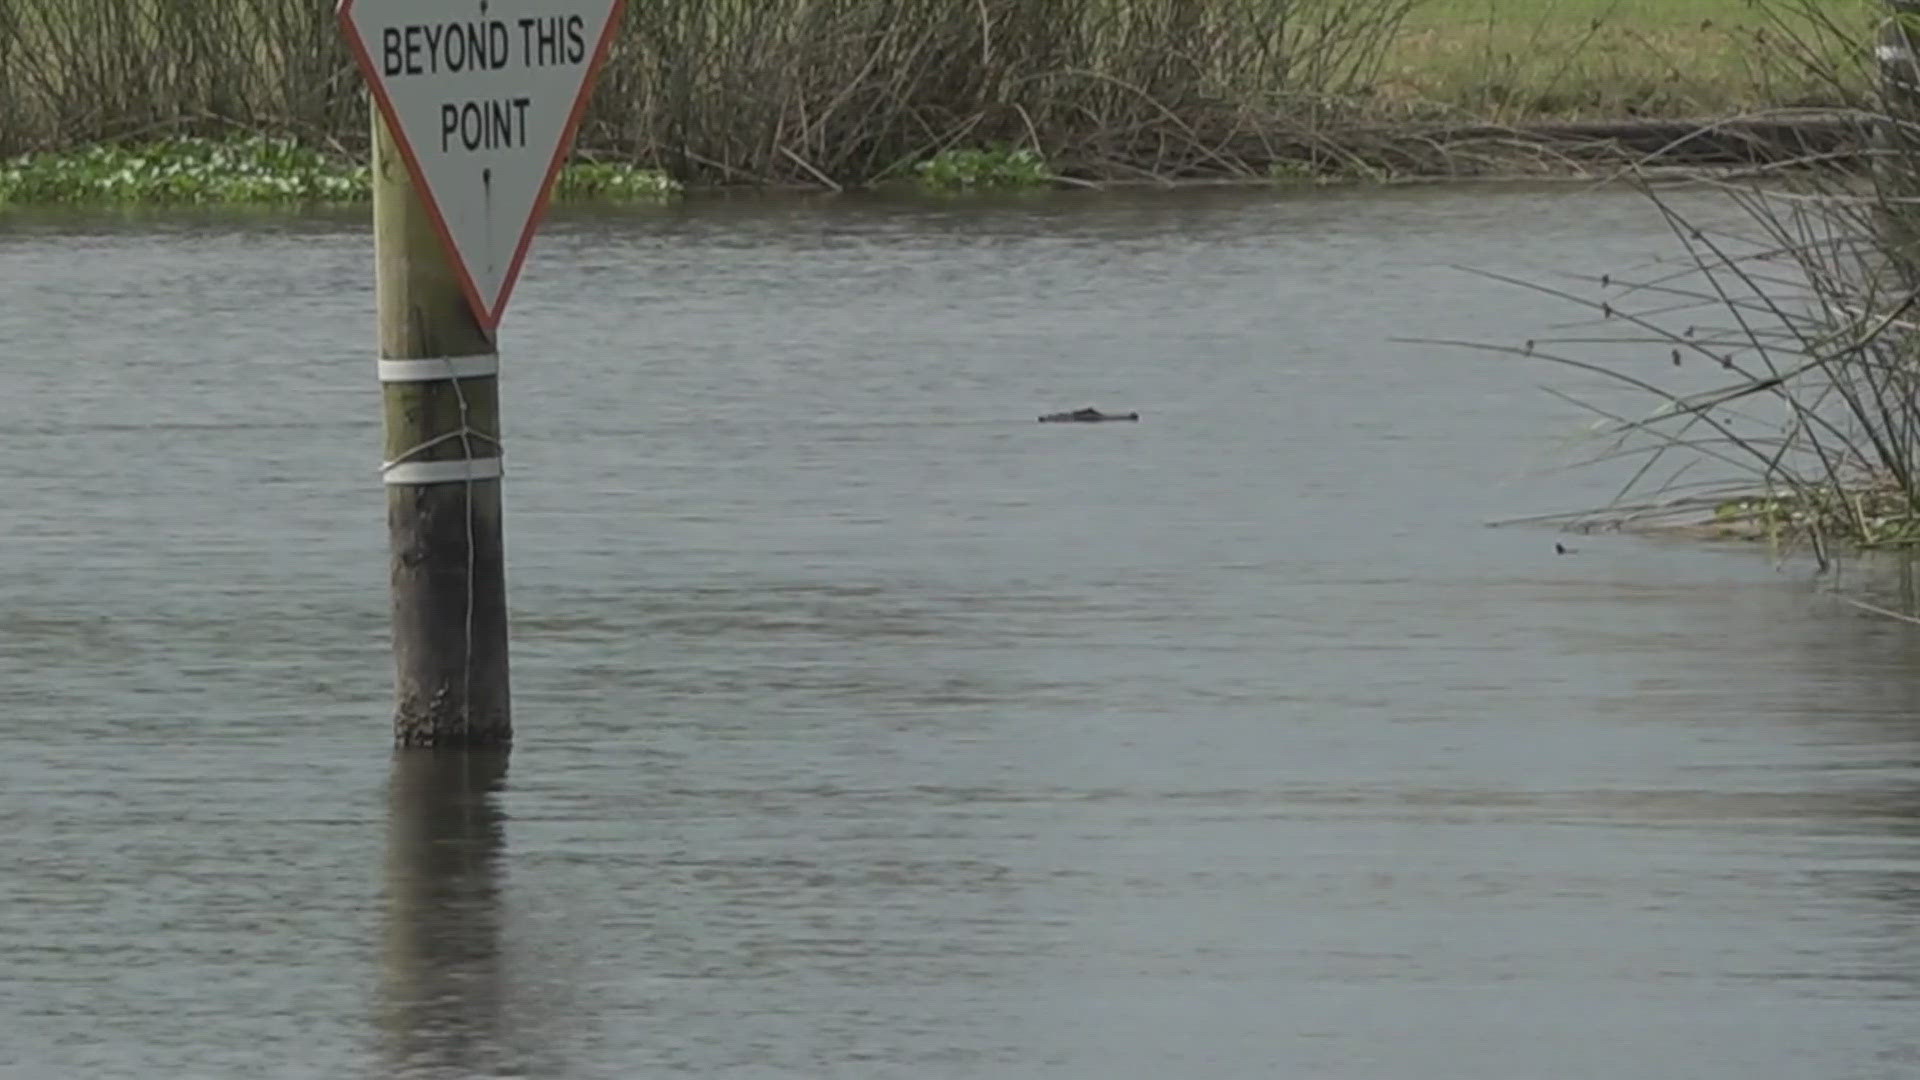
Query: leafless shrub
x: 1807, y: 315
x: 752, y: 90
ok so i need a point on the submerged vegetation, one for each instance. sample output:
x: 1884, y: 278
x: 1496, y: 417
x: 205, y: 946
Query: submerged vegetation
x: 250, y: 170
x: 1766, y: 384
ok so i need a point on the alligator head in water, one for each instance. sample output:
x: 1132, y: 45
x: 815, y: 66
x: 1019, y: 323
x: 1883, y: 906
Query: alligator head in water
x: 1086, y: 416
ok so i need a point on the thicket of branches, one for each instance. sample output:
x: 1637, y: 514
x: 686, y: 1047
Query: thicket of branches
x: 1805, y: 315
x: 755, y: 90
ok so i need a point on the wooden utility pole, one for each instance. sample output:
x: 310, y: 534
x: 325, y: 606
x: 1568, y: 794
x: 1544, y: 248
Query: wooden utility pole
x: 441, y: 391
x: 472, y: 119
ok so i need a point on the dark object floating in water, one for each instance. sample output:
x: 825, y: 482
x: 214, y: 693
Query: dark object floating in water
x: 1086, y: 416
x: 1562, y: 549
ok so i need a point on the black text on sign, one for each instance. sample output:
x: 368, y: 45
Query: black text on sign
x: 499, y: 124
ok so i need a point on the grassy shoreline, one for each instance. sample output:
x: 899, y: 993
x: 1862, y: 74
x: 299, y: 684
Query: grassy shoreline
x: 1516, y: 60
x: 854, y: 93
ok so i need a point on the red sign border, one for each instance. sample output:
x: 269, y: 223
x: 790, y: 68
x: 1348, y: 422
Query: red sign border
x: 488, y: 315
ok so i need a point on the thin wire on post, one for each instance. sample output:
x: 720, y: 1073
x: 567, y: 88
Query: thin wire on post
x: 467, y: 434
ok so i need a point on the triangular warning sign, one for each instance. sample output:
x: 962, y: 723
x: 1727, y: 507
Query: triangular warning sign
x: 483, y: 97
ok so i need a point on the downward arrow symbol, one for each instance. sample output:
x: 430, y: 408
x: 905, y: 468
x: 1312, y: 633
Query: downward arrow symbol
x: 486, y: 183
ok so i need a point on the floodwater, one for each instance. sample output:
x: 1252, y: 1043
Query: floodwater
x: 868, y: 728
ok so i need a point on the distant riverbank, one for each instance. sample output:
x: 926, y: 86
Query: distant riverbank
x: 257, y: 170
x: 850, y: 94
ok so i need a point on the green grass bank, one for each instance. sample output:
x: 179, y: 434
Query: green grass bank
x: 1518, y: 60
x: 831, y: 93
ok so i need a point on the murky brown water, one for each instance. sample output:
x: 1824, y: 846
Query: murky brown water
x: 870, y: 729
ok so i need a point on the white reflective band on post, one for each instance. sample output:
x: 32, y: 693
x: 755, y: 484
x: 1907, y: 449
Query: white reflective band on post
x: 457, y: 471
x: 440, y: 368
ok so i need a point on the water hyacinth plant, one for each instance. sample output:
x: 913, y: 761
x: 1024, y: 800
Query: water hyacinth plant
x: 184, y: 170
x: 255, y: 170
x: 998, y: 167
x: 613, y: 181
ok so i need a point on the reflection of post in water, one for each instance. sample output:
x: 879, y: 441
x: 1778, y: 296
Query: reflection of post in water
x: 442, y: 994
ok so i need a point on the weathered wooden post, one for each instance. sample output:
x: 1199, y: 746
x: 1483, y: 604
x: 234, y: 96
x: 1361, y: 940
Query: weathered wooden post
x: 475, y: 105
x: 439, y: 376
